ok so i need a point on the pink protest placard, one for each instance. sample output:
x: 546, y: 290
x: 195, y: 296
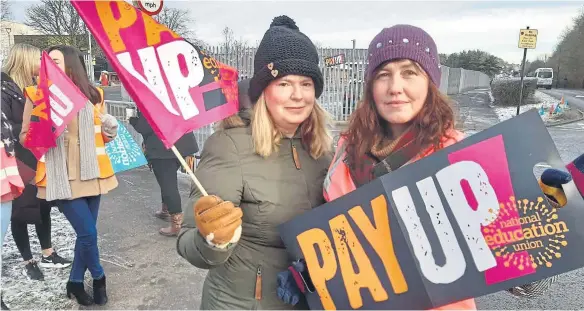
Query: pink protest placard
x: 506, y: 230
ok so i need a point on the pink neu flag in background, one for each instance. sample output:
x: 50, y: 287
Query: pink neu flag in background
x: 176, y: 85
x: 52, y: 113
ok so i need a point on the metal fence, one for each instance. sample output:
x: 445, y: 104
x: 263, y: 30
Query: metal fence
x: 343, y: 82
x: 89, y: 65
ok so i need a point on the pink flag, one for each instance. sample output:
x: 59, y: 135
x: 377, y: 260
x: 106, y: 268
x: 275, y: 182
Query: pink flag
x: 176, y: 85
x: 51, y: 114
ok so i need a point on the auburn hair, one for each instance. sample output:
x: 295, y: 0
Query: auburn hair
x: 366, y: 126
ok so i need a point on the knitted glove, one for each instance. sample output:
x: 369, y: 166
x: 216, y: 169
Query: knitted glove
x: 218, y: 221
x: 291, y: 284
x: 109, y: 125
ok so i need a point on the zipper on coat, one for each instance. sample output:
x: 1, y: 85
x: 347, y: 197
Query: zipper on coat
x: 295, y: 156
x: 258, y: 285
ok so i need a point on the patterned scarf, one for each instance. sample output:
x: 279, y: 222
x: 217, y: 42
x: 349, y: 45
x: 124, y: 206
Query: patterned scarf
x: 58, y: 187
x: 385, y: 156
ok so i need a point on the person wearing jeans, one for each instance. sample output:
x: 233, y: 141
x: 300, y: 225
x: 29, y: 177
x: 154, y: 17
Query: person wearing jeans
x: 82, y: 214
x: 77, y: 171
x: 5, y: 213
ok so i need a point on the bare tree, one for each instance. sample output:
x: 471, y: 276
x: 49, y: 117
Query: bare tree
x: 178, y: 20
x: 568, y: 57
x: 5, y: 11
x: 228, y: 39
x: 56, y: 18
x: 233, y: 50
x: 318, y: 44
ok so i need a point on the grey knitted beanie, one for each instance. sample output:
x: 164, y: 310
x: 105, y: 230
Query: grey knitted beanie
x: 284, y: 50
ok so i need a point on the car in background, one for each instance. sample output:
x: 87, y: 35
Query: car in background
x: 544, y: 76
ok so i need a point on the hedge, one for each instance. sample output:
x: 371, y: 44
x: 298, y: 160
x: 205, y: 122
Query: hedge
x: 506, y: 90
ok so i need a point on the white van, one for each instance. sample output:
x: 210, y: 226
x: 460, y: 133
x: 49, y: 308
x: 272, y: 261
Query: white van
x: 544, y: 76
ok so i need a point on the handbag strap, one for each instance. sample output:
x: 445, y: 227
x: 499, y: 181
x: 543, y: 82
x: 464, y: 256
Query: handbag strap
x: 397, y: 158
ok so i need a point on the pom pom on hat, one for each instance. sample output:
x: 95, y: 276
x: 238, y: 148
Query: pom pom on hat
x: 284, y: 21
x: 284, y: 50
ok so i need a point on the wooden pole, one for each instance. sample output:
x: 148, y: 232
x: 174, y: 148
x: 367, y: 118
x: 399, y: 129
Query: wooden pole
x: 189, y: 171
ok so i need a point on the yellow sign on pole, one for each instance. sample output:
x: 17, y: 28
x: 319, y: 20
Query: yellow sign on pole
x: 527, y: 38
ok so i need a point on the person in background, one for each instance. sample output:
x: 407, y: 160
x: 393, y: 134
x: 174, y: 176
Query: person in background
x: 21, y: 67
x: 12, y: 184
x: 165, y: 165
x: 261, y: 168
x: 77, y: 172
x: 103, y: 78
x: 402, y: 118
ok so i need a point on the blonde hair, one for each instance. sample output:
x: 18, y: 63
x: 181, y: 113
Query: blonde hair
x: 266, y: 137
x: 22, y: 64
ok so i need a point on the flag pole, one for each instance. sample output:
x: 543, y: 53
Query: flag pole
x: 189, y: 171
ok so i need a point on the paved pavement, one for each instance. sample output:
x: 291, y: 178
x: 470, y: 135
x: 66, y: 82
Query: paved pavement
x: 473, y: 112
x: 161, y: 279
x: 145, y: 272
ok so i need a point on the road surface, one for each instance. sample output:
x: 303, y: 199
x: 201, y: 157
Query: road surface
x: 568, y: 293
x: 113, y: 93
x: 574, y: 97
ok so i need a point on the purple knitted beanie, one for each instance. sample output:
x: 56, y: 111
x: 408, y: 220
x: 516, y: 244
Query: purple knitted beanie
x: 404, y: 42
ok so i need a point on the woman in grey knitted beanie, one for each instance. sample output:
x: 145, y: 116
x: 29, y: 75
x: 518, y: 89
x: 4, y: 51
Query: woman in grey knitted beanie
x: 261, y: 167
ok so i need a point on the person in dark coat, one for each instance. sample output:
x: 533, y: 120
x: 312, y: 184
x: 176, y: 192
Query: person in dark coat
x: 165, y: 165
x: 22, y: 64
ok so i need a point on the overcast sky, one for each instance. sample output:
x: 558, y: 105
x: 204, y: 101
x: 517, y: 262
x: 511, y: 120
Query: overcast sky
x: 491, y: 26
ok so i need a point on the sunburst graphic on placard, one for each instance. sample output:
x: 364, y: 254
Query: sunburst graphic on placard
x: 535, y: 248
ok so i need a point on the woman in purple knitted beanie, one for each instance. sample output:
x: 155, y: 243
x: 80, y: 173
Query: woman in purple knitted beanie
x: 402, y: 118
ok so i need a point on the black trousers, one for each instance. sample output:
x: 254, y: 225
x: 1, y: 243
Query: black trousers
x: 165, y: 171
x: 43, y: 230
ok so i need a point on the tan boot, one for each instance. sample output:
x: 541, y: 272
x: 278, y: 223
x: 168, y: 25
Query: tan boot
x: 175, y: 224
x: 163, y: 213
